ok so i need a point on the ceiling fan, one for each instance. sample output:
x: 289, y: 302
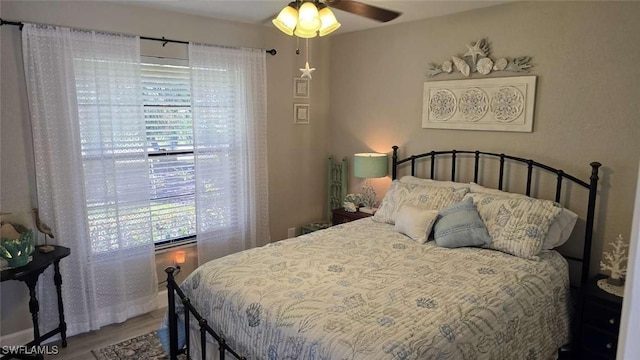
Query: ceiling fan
x: 309, y: 18
x: 362, y: 9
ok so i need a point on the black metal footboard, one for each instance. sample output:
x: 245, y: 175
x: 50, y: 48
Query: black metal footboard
x: 205, y: 329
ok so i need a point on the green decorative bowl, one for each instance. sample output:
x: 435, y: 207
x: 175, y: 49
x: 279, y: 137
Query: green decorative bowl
x: 17, y: 251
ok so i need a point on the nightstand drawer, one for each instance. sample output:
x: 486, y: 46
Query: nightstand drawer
x: 599, y: 342
x: 602, y: 317
x: 340, y: 219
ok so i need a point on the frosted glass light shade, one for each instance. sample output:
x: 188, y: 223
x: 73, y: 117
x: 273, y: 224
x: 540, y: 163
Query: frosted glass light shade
x: 308, y: 19
x: 370, y: 165
x: 287, y: 20
x: 305, y: 34
x: 329, y: 21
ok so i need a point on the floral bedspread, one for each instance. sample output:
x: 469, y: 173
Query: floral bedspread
x: 360, y: 290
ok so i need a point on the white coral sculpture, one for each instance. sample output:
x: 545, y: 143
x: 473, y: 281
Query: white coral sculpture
x: 616, y: 259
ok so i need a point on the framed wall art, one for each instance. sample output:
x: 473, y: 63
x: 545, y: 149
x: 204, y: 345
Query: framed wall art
x: 495, y: 104
x: 301, y: 113
x: 300, y: 88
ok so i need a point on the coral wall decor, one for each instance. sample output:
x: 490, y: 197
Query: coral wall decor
x: 498, y: 104
x: 477, y: 59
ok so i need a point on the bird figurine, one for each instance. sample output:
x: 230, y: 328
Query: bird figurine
x: 46, y: 230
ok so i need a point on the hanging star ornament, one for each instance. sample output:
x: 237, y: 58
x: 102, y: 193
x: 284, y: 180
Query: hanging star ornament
x: 474, y: 51
x: 306, y: 72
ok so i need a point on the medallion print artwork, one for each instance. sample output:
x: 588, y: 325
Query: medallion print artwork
x: 495, y: 104
x: 442, y: 104
x: 473, y: 104
x: 507, y: 104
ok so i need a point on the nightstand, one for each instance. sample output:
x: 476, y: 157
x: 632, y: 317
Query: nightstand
x: 309, y: 228
x: 341, y: 216
x: 601, y: 322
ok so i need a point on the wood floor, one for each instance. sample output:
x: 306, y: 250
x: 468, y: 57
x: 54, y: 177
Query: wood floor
x: 80, y: 346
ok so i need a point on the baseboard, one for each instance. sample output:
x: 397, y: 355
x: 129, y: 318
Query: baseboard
x: 24, y: 336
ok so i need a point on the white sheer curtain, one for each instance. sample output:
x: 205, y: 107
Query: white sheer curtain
x: 92, y: 172
x: 228, y: 94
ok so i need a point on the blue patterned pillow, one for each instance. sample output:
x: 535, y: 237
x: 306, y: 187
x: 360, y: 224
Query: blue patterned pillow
x: 460, y: 225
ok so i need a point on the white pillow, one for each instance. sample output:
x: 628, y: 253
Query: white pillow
x: 408, y: 179
x: 415, y: 222
x: 559, y: 231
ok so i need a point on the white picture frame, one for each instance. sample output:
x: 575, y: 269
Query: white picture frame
x: 301, y: 113
x: 301, y: 88
x: 494, y: 104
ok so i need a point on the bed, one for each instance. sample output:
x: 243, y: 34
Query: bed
x: 363, y: 290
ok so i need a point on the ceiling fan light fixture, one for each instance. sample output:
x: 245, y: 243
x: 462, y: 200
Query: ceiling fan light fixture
x: 305, y: 34
x: 329, y: 21
x: 287, y: 19
x: 308, y: 19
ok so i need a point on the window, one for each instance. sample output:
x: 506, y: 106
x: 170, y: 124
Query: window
x: 169, y: 127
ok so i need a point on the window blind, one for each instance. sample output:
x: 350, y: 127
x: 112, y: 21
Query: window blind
x: 169, y: 128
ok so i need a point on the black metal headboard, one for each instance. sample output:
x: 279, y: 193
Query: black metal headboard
x: 592, y: 186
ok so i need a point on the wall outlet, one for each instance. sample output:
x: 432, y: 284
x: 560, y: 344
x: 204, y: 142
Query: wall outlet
x: 291, y: 233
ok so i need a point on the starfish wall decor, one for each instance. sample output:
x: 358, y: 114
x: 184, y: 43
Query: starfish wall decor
x: 477, y: 59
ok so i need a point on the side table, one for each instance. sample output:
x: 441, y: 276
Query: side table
x: 341, y: 216
x: 311, y: 227
x: 600, y: 323
x: 29, y: 274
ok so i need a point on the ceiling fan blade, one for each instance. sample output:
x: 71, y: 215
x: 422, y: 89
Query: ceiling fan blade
x: 362, y: 9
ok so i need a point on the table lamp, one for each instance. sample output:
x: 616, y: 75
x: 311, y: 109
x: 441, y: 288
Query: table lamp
x: 367, y: 166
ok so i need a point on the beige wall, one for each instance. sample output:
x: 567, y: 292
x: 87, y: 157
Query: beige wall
x: 585, y: 57
x: 296, y: 153
x: 584, y: 54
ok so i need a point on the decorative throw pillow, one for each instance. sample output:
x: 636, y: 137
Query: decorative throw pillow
x: 416, y: 223
x: 408, y: 179
x: 518, y: 225
x: 391, y: 202
x: 559, y: 231
x: 424, y: 197
x: 460, y: 225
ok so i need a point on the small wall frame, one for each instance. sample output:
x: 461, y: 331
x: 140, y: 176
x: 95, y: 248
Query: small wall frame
x: 495, y: 104
x: 301, y: 113
x: 301, y: 88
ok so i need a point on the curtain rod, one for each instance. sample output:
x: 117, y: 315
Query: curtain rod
x: 164, y: 41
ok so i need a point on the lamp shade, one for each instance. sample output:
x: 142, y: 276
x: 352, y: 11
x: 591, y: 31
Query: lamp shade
x: 308, y: 19
x: 370, y: 165
x: 287, y: 19
x: 329, y: 21
x: 299, y: 32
